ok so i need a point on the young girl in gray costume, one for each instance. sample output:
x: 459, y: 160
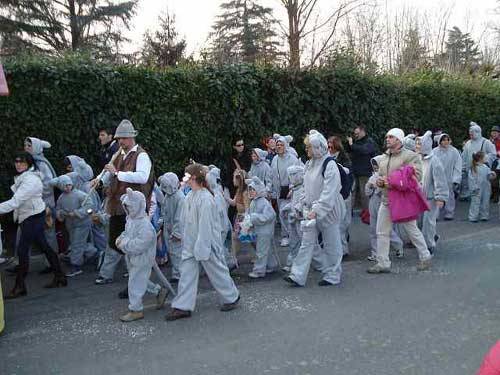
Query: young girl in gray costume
x: 295, y: 209
x: 260, y: 168
x: 263, y: 219
x: 480, y: 188
x: 71, y: 208
x: 138, y: 242
x: 171, y: 213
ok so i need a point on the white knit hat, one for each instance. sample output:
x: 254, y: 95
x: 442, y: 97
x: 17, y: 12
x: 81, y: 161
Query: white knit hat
x: 397, y: 133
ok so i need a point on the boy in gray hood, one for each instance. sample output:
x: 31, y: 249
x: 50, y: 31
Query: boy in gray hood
x: 171, y: 213
x: 71, y: 208
x: 263, y: 218
x: 435, y: 188
x: 326, y: 208
x: 138, y: 242
x: 475, y: 144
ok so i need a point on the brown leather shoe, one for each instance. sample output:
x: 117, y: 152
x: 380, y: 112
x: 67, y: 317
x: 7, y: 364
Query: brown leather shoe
x: 230, y: 306
x: 57, y: 282
x: 175, y: 314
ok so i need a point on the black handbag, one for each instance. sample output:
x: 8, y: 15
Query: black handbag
x: 284, y: 190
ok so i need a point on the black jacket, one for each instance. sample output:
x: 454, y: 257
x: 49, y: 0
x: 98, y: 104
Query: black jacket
x: 362, y: 151
x: 106, y: 153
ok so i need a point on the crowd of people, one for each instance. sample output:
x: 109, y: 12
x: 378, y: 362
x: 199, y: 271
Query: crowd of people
x: 204, y: 217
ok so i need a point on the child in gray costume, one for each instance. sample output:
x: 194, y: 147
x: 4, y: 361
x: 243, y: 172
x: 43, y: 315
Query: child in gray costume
x: 71, y: 208
x: 263, y: 219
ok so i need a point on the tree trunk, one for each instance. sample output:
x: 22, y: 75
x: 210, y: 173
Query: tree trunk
x: 75, y: 33
x: 293, y: 35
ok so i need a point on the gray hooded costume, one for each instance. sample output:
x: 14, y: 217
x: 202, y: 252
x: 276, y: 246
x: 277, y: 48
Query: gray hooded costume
x: 295, y: 211
x: 138, y: 242
x: 171, y: 214
x: 261, y: 169
x: 202, y: 244
x: 475, y: 144
x: 70, y: 207
x: 435, y: 188
x: 81, y: 175
x: 480, y: 193
x: 322, y: 196
x: 452, y: 164
x: 263, y: 219
x: 279, y: 167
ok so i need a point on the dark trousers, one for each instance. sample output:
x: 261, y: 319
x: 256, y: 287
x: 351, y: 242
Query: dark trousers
x: 32, y: 233
x: 116, y: 227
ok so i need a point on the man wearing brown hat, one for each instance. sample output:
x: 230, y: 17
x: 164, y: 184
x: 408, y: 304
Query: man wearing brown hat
x: 130, y: 167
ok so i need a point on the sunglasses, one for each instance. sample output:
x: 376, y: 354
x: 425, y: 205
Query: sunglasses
x: 19, y: 161
x: 239, y: 144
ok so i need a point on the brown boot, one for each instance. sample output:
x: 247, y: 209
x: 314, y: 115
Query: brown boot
x: 16, y: 292
x: 132, y: 316
x: 175, y: 314
x: 57, y: 282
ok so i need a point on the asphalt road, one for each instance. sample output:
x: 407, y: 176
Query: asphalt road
x: 437, y: 322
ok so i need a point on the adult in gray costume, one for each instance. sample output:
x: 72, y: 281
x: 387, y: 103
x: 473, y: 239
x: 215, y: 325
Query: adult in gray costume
x: 452, y: 164
x: 326, y: 209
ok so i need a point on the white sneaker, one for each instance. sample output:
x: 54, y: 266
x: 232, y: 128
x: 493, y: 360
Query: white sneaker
x: 74, y: 273
x: 254, y: 275
x: 285, y: 241
x: 286, y: 269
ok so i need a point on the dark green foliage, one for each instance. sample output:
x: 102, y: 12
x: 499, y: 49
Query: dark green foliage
x: 194, y: 112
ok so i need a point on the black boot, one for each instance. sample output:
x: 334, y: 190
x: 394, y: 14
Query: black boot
x: 16, y: 292
x: 59, y: 281
x: 123, y: 294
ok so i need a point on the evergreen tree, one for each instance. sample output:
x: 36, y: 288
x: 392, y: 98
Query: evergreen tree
x: 413, y: 55
x: 461, y: 52
x: 244, y: 32
x: 163, y: 48
x: 55, y: 26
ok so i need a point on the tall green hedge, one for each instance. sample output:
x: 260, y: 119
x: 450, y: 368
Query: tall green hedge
x: 197, y: 111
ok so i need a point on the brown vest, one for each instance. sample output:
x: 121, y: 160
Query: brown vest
x: 117, y: 188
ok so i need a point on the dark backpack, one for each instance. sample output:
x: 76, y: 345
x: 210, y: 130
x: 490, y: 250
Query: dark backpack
x: 346, y: 180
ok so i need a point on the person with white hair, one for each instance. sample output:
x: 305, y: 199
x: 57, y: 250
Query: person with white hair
x: 434, y: 186
x: 324, y: 209
x: 281, y: 184
x: 395, y: 157
x: 476, y: 143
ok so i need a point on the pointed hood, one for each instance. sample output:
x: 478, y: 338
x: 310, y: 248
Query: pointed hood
x: 256, y: 184
x: 426, y: 143
x: 81, y: 167
x: 134, y: 204
x: 439, y: 138
x: 296, y: 175
x: 169, y: 183
x: 409, y: 142
x: 261, y: 154
x: 38, y: 145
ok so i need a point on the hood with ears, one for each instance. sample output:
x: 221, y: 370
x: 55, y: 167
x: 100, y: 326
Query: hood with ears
x: 296, y: 175
x: 213, y: 178
x: 81, y: 167
x: 409, y: 142
x: 261, y: 154
x: 475, y: 130
x: 426, y: 143
x: 256, y: 184
x: 62, y: 181
x: 169, y: 183
x: 318, y: 144
x: 134, y: 204
x: 38, y: 145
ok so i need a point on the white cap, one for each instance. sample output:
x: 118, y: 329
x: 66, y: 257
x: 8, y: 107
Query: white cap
x: 397, y: 133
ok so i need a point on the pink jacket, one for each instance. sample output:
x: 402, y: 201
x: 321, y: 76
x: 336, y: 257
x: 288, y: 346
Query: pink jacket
x: 406, y: 200
x: 491, y: 362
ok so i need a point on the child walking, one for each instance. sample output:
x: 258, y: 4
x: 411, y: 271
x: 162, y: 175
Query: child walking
x: 480, y: 188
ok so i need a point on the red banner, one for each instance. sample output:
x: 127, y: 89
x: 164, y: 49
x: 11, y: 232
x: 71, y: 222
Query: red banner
x: 4, y: 89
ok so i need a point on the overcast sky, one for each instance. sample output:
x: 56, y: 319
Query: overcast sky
x: 195, y: 17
